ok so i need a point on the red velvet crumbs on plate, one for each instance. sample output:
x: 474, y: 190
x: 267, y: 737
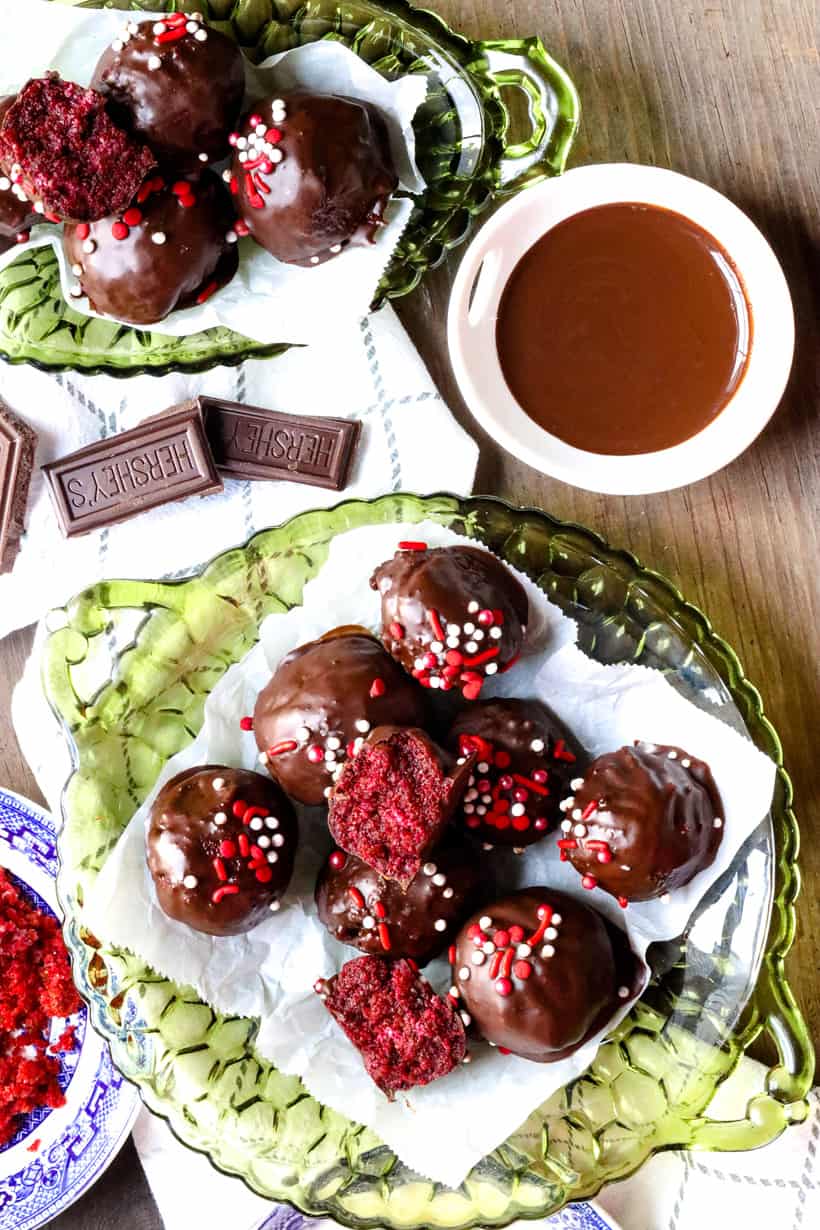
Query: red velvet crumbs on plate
x: 35, y: 987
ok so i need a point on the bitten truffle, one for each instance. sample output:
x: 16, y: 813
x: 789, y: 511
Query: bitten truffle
x: 175, y: 84
x: 312, y: 173
x: 452, y: 616
x: 322, y: 701
x: 361, y: 908
x: 642, y: 821
x: 407, y: 1035
x: 221, y: 845
x: 539, y: 973
x: 394, y: 799
x: 525, y: 759
x: 174, y: 247
x: 59, y: 144
x: 17, y: 215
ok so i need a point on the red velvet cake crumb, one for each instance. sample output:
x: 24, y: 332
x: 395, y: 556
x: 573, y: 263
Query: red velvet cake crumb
x: 35, y: 985
x: 393, y: 799
x: 59, y: 143
x: 407, y: 1034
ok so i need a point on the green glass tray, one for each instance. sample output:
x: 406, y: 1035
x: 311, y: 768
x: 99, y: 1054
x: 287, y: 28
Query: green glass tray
x: 712, y: 993
x: 466, y: 150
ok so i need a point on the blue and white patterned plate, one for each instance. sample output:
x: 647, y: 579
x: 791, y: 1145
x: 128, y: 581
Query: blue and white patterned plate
x: 57, y: 1154
x: 581, y: 1216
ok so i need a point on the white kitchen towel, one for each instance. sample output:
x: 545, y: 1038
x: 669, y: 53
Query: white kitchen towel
x: 371, y: 372
x: 774, y: 1187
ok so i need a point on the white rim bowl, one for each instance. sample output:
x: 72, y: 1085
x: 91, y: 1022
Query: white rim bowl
x: 497, y: 249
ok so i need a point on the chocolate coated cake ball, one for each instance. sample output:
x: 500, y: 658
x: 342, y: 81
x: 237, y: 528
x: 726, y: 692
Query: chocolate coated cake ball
x: 176, y: 85
x: 394, y: 799
x: 452, y: 616
x: 539, y: 973
x: 407, y: 1035
x: 174, y: 247
x: 361, y: 908
x: 59, y: 144
x: 312, y: 173
x: 642, y: 821
x: 221, y: 845
x: 526, y: 758
x: 17, y: 215
x: 321, y: 701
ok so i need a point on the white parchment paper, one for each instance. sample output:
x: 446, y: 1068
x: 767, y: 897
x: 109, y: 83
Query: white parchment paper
x: 266, y: 300
x: 445, y: 1128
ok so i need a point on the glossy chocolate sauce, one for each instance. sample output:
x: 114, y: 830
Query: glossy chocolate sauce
x: 625, y: 329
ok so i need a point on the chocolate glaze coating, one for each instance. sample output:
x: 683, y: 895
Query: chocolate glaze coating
x: 528, y: 757
x: 191, y: 819
x: 542, y: 1004
x: 17, y: 215
x: 468, y: 591
x: 140, y: 279
x: 406, y: 918
x: 181, y: 97
x: 659, y: 814
x: 326, y: 172
x: 319, y: 692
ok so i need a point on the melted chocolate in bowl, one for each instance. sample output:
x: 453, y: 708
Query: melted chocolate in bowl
x: 625, y: 329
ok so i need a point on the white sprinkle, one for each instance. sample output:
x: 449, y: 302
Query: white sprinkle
x: 454, y: 993
x: 75, y: 290
x: 517, y: 809
x: 453, y: 642
x: 488, y: 947
x: 551, y: 934
x: 273, y: 857
x: 117, y: 44
x: 201, y: 36
x: 718, y: 823
x: 623, y: 992
x: 39, y: 207
x: 566, y: 826
x: 464, y: 973
x: 466, y: 1018
x: 665, y: 899
x: 227, y: 176
x: 485, y: 921
x: 580, y: 830
x: 159, y: 28
x: 567, y: 804
x: 686, y: 764
x: 159, y: 237
x: 537, y: 745
x: 278, y: 104
x: 481, y: 810
x: 271, y: 822
x: 330, y: 757
x: 478, y: 958
x: 468, y: 809
x: 439, y: 880
x: 496, y: 634
x: 220, y: 818
x: 132, y: 27
x: 262, y: 758
x: 333, y: 742
x: 261, y: 129
x: 435, y: 646
x: 337, y: 247
x: 5, y: 183
x: 241, y: 142
x: 275, y: 906
x: 218, y: 783
x: 557, y: 920
x: 518, y: 849
x: 523, y: 950
x: 673, y: 755
x: 486, y: 845
x: 429, y: 869
x: 471, y: 794
x: 314, y: 260
x: 275, y: 155
x: 483, y: 767
x: 486, y: 798
x: 242, y: 156
x: 467, y: 1059
x: 471, y: 647
x: 469, y: 629
x: 190, y: 882
x: 278, y: 839
x: 368, y: 922
x: 453, y: 630
x: 363, y: 725
x: 328, y: 792
x: 256, y: 824
x: 478, y: 635
x: 263, y: 841
x: 154, y: 62
x: 577, y: 813
x: 448, y: 892
x: 472, y: 607
x: 418, y: 664
x: 440, y: 924
x: 491, y: 668
x: 576, y: 783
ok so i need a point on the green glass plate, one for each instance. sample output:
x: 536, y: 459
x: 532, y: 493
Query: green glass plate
x: 467, y: 151
x: 713, y: 991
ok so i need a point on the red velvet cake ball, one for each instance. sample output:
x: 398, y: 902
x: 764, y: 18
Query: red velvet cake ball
x: 59, y: 144
x: 394, y: 799
x: 642, y: 821
x: 452, y: 616
x: 407, y: 1035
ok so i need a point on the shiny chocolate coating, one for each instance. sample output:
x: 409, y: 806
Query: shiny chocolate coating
x: 182, y: 97
x: 526, y: 760
x: 312, y: 174
x: 17, y: 215
x: 645, y: 820
x: 169, y: 250
x: 195, y: 848
x: 539, y: 973
x: 322, y: 698
x: 361, y: 908
x: 452, y: 616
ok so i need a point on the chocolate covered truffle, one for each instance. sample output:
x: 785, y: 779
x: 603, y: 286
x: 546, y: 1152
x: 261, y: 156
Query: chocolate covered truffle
x: 173, y: 247
x: 361, y: 908
x: 394, y: 799
x: 642, y: 821
x: 58, y: 143
x: 526, y: 758
x: 175, y: 84
x: 538, y: 973
x: 322, y: 701
x: 17, y: 214
x: 312, y: 173
x: 407, y: 1035
x: 221, y: 845
x: 452, y: 616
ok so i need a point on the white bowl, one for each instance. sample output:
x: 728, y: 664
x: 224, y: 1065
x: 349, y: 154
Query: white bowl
x: 497, y: 249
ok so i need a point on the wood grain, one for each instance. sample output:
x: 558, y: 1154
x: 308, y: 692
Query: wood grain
x: 728, y: 92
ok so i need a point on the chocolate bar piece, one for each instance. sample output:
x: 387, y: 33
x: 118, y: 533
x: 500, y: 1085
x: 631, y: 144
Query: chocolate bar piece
x: 166, y: 458
x: 251, y: 443
x: 18, y: 442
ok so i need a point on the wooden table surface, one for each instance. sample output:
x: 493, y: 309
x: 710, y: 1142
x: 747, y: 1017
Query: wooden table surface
x: 727, y: 91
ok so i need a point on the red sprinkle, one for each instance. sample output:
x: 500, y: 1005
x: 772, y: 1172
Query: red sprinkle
x: 531, y: 784
x: 544, y: 913
x: 244, y: 845
x: 384, y: 936
x: 506, y: 962
x: 227, y: 849
x: 257, y: 853
x: 502, y: 1050
x: 589, y: 882
x: 495, y: 965
x: 377, y: 688
x: 181, y: 188
x: 501, y: 939
x: 274, y: 135
x: 486, y: 656
x: 486, y: 618
x: 120, y: 231
x: 471, y: 691
x: 239, y: 808
x: 451, y: 954
x: 504, y: 987
x: 410, y: 545
x: 502, y: 760
x: 210, y: 289
x: 589, y: 810
x: 315, y: 754
x: 132, y: 216
x: 219, y: 868
x: 246, y: 723
x: 396, y: 630
x: 435, y: 623
x: 264, y: 874
x: 516, y: 934
x: 83, y: 230
x: 284, y: 745
x: 250, y: 812
x: 562, y: 752
x: 356, y: 897
x: 379, y: 910
x: 622, y: 902
x: 337, y: 860
x: 522, y: 969
x: 23, y: 237
x: 224, y: 890
x: 254, y: 120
